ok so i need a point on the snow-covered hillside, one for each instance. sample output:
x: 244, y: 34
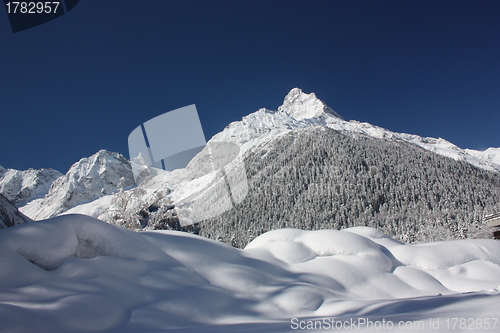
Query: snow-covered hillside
x: 87, y: 180
x: 21, y: 187
x: 76, y: 274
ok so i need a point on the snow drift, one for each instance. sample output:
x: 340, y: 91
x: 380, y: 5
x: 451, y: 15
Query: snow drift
x: 74, y: 273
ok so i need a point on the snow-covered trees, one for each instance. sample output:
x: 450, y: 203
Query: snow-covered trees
x: 321, y: 178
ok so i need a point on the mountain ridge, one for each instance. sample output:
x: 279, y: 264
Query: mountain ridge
x: 21, y: 187
x: 265, y: 122
x: 87, y: 180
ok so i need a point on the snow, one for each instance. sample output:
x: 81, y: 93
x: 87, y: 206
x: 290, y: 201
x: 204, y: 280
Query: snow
x: 73, y: 273
x: 94, y: 208
x: 490, y: 155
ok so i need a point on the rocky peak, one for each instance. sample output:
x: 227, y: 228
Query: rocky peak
x: 300, y: 105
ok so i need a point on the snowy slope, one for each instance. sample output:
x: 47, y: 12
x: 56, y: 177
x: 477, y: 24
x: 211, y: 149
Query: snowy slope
x: 21, y: 187
x: 87, y: 180
x: 490, y: 155
x: 76, y: 274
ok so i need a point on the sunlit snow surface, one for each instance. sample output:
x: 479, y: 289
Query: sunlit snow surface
x: 74, y: 273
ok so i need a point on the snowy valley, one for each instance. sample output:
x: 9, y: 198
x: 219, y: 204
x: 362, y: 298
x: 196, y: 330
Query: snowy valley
x: 343, y: 221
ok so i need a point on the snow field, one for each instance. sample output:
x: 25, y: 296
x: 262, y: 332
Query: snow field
x: 74, y: 273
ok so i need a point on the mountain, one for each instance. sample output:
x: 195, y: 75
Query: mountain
x: 349, y: 179
x: 9, y: 215
x: 301, y: 110
x: 308, y: 168
x: 21, y: 187
x: 305, y: 171
x: 303, y: 166
x: 90, y: 178
x: 300, y: 106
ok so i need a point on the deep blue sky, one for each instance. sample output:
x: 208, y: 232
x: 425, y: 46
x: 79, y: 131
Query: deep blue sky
x: 84, y: 81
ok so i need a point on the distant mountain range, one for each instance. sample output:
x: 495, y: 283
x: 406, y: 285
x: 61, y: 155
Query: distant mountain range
x: 21, y: 187
x: 89, y: 179
x: 306, y: 168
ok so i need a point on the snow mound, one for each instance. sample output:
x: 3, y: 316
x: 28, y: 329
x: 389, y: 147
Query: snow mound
x: 74, y: 273
x: 84, y: 237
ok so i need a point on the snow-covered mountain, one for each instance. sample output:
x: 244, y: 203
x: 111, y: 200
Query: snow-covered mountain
x: 308, y: 172
x: 21, y: 187
x: 101, y: 174
x: 9, y: 215
x: 301, y: 110
x: 264, y: 138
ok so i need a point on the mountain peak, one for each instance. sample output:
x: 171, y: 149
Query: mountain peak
x: 300, y: 105
x: 90, y: 178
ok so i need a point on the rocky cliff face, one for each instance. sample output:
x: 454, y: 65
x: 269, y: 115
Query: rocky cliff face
x: 9, y: 215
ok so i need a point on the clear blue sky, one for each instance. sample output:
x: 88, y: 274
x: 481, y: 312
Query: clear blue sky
x: 84, y: 81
